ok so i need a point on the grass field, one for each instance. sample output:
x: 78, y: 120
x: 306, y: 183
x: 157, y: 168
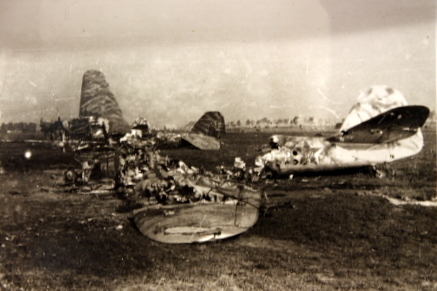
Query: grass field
x: 318, y: 233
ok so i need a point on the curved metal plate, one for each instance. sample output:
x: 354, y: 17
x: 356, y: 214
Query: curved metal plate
x: 200, y: 222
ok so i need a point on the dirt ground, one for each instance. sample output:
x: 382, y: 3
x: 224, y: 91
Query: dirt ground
x: 314, y: 233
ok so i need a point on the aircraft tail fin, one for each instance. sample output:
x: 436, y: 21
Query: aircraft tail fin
x: 395, y: 124
x: 207, y: 131
x: 373, y: 102
x: 212, y: 124
x: 98, y: 101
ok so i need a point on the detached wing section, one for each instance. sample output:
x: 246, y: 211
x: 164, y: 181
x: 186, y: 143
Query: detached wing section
x: 98, y: 101
x: 207, y: 132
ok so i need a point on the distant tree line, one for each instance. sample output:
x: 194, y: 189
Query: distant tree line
x: 24, y: 127
x: 297, y: 121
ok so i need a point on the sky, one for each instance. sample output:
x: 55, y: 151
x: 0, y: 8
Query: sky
x: 172, y: 60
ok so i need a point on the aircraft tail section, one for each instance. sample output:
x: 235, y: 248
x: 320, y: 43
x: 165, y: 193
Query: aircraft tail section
x: 380, y: 128
x: 382, y: 120
x: 207, y: 131
x: 373, y: 102
x: 98, y: 101
x: 394, y: 124
x: 212, y: 124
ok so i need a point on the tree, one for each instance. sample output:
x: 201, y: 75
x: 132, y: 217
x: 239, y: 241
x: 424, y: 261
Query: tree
x: 31, y: 127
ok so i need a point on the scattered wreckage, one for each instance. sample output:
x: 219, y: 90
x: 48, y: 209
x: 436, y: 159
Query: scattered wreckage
x: 182, y: 204
x: 380, y: 128
x: 97, y: 133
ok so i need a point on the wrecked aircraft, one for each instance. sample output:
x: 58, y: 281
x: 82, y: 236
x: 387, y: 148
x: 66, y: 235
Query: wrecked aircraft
x: 181, y: 204
x: 95, y: 136
x: 100, y: 116
x: 379, y: 129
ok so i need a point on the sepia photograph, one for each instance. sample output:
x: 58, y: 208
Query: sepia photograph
x: 218, y: 145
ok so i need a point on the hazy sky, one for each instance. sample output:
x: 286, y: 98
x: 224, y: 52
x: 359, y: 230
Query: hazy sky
x: 171, y: 60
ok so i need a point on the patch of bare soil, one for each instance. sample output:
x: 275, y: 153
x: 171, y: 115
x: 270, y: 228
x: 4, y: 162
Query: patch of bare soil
x: 314, y: 233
